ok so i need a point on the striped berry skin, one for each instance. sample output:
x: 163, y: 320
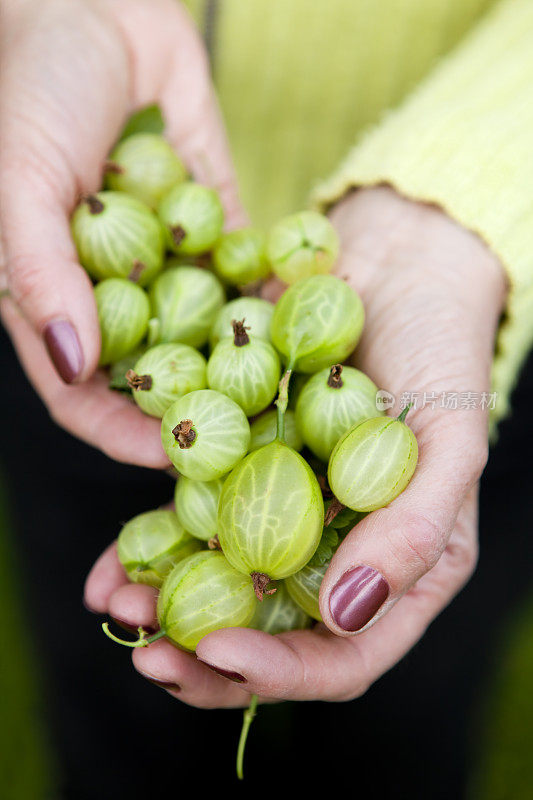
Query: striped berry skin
x: 205, y: 434
x: 145, y: 166
x: 331, y: 402
x: 302, y: 245
x: 270, y: 513
x: 264, y: 429
x: 118, y: 236
x: 192, y: 217
x: 165, y: 373
x: 123, y: 311
x: 239, y: 257
x: 197, y: 506
x: 185, y: 300
x: 373, y: 463
x: 151, y: 544
x: 304, y: 588
x: 316, y: 323
x: 202, y: 594
x: 278, y: 613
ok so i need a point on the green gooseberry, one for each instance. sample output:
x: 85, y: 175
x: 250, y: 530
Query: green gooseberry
x: 264, y: 430
x: 145, y: 166
x: 150, y: 544
x: 197, y: 506
x: 256, y: 312
x: 316, y: 323
x: 304, y: 588
x: 331, y: 402
x: 278, y: 613
x: 239, y: 257
x: 185, y: 300
x: 205, y: 434
x: 246, y: 369
x: 123, y: 313
x: 373, y: 462
x: 165, y: 373
x: 298, y: 381
x: 202, y: 594
x: 301, y: 245
x: 270, y: 514
x: 192, y: 216
x: 118, y: 236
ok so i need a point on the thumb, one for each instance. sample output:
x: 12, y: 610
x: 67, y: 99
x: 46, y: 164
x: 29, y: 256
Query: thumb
x: 394, y: 547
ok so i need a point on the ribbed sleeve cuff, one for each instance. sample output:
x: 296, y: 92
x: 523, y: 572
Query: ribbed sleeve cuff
x: 464, y: 140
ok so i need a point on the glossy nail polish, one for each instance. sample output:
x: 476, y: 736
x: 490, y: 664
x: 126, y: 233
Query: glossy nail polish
x: 226, y: 673
x: 64, y: 349
x: 357, y: 596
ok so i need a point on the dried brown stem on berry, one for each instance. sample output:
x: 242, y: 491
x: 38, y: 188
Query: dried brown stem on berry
x: 112, y: 166
x: 136, y: 271
x: 184, y: 434
x: 240, y: 337
x: 139, y: 383
x: 178, y: 234
x: 213, y: 543
x: 324, y: 486
x: 334, y: 379
x: 260, y: 582
x: 335, y: 508
x: 95, y: 205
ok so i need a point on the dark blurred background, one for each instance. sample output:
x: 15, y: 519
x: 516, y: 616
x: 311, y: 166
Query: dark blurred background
x: 453, y: 720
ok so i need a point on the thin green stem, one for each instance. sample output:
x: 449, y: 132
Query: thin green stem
x: 282, y: 402
x: 143, y: 641
x: 248, y: 716
x: 401, y: 417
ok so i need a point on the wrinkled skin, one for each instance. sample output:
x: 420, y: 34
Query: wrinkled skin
x: 432, y: 292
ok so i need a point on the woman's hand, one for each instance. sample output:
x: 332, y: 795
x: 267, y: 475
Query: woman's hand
x: 71, y: 72
x: 433, y: 294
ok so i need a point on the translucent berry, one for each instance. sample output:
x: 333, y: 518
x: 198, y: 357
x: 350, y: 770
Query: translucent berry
x: 256, y: 312
x: 239, y: 257
x: 301, y: 245
x: 123, y: 312
x: 264, y: 429
x: 278, y: 613
x: 197, y: 506
x: 192, y: 217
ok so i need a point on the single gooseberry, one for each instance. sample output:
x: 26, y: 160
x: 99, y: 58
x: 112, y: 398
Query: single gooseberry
x: 301, y: 245
x: 145, y: 166
x: 165, y: 373
x: 185, y: 300
x: 246, y: 369
x: 150, y: 544
x: 197, y: 506
x: 192, y: 216
x: 202, y: 594
x: 332, y: 401
x: 118, y: 236
x: 205, y: 434
x: 256, y: 312
x: 263, y: 430
x: 317, y: 322
x: 239, y: 257
x: 123, y: 313
x: 270, y: 514
x: 304, y: 585
x: 373, y: 462
x: 279, y: 613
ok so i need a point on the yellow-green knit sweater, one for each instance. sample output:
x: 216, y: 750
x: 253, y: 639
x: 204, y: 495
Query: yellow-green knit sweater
x: 432, y: 96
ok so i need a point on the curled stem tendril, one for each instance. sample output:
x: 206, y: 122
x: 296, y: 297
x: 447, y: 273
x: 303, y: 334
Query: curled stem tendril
x: 143, y: 641
x: 282, y: 402
x: 249, y: 714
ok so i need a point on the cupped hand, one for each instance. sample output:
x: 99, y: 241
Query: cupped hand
x: 433, y: 293
x: 71, y: 72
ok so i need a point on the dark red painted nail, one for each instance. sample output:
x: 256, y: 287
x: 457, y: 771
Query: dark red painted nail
x: 226, y: 673
x: 357, y: 597
x: 64, y: 349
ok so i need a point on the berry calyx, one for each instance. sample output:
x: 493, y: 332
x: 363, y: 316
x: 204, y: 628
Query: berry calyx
x: 335, y: 381
x: 261, y: 581
x: 139, y: 383
x: 95, y: 205
x: 184, y: 433
x: 240, y: 337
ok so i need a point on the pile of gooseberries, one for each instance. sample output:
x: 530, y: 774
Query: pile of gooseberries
x: 278, y: 445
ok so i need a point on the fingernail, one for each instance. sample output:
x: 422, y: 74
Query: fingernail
x: 132, y: 628
x: 64, y: 349
x: 172, y: 687
x: 226, y: 673
x: 357, y: 596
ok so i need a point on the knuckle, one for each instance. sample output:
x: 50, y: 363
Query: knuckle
x: 25, y: 279
x: 417, y: 540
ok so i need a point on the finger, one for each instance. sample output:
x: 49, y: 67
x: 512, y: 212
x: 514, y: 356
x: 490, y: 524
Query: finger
x: 393, y: 547
x: 316, y: 664
x: 134, y: 604
x: 198, y: 685
x: 106, y: 576
x: 107, y: 420
x: 172, y: 60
